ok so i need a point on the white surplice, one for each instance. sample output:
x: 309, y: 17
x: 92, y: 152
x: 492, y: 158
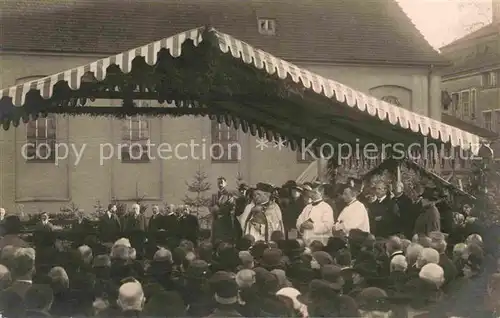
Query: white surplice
x: 321, y: 214
x: 353, y: 216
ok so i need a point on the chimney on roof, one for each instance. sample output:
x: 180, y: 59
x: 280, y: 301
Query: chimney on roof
x: 495, y: 10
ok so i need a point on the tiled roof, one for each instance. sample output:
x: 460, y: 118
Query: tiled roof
x: 320, y: 30
x: 469, y: 127
x: 487, y: 30
x: 475, y: 64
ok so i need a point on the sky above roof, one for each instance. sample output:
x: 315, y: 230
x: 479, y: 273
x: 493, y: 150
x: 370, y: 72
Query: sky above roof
x: 443, y: 21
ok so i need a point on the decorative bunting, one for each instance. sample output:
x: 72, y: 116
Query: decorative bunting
x: 261, y: 60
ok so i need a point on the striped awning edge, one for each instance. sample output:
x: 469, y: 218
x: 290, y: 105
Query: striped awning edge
x: 272, y: 65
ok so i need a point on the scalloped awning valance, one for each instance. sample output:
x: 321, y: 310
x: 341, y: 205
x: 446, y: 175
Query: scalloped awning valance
x: 338, y: 93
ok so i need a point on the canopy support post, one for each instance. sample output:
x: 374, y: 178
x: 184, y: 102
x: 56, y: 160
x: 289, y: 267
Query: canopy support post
x: 398, y: 173
x: 322, y: 170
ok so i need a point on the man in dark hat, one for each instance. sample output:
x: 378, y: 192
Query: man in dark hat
x: 264, y: 217
x: 240, y: 203
x: 429, y: 218
x: 292, y: 205
x: 223, y: 213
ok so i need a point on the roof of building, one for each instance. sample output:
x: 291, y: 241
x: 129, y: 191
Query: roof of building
x: 477, y: 61
x: 469, y: 127
x: 372, y: 31
x: 475, y: 64
x: 487, y: 30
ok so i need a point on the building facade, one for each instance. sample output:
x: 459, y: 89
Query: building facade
x: 473, y: 83
x: 406, y: 75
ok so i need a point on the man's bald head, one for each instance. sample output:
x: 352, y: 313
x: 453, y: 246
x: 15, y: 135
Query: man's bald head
x: 393, y: 245
x: 432, y: 273
x: 5, y: 277
x: 85, y: 253
x: 412, y: 253
x: 123, y: 241
x: 474, y: 239
x: 131, y: 297
x: 459, y: 249
x: 163, y: 255
x: 59, y: 278
x: 121, y: 252
x: 427, y: 256
x: 7, y: 254
x: 399, y: 263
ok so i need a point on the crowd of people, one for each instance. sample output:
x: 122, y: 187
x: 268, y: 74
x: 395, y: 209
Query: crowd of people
x: 310, y: 250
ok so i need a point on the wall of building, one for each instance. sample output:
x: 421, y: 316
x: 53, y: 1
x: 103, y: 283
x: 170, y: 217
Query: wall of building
x: 47, y: 186
x: 410, y: 85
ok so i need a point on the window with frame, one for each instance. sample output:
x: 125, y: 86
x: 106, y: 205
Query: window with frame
x: 497, y: 121
x: 473, y: 103
x: 492, y: 79
x: 267, y: 26
x: 455, y: 100
x: 487, y: 120
x: 135, y: 140
x: 225, y: 143
x: 465, y: 101
x: 41, y: 139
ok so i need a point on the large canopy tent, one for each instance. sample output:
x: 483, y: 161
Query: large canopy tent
x: 206, y: 72
x: 393, y: 164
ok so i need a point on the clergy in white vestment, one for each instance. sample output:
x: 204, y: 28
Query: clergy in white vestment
x: 262, y: 217
x: 316, y: 221
x: 354, y: 215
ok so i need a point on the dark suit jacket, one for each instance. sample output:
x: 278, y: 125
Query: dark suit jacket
x: 49, y: 227
x: 428, y: 221
x: 409, y: 214
x: 14, y: 240
x: 135, y: 223
x: 20, y: 288
x: 109, y: 228
x: 156, y: 222
x: 388, y: 211
x: 449, y: 269
x: 189, y: 228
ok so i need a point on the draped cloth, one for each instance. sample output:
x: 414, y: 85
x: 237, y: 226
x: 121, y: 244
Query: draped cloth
x: 261, y: 221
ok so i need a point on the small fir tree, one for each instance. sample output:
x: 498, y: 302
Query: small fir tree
x: 199, y: 187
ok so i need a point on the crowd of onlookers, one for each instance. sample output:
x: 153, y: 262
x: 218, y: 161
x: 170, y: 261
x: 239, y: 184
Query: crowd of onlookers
x: 354, y: 274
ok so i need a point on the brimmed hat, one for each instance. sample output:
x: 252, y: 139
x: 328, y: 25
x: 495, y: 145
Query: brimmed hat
x: 321, y: 289
x: 243, y: 186
x: 226, y: 291
x: 265, y: 187
x: 331, y: 273
x: 373, y: 299
x: 290, y: 184
x: 198, y: 269
x: 266, y: 281
x: 430, y: 194
x: 272, y: 258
